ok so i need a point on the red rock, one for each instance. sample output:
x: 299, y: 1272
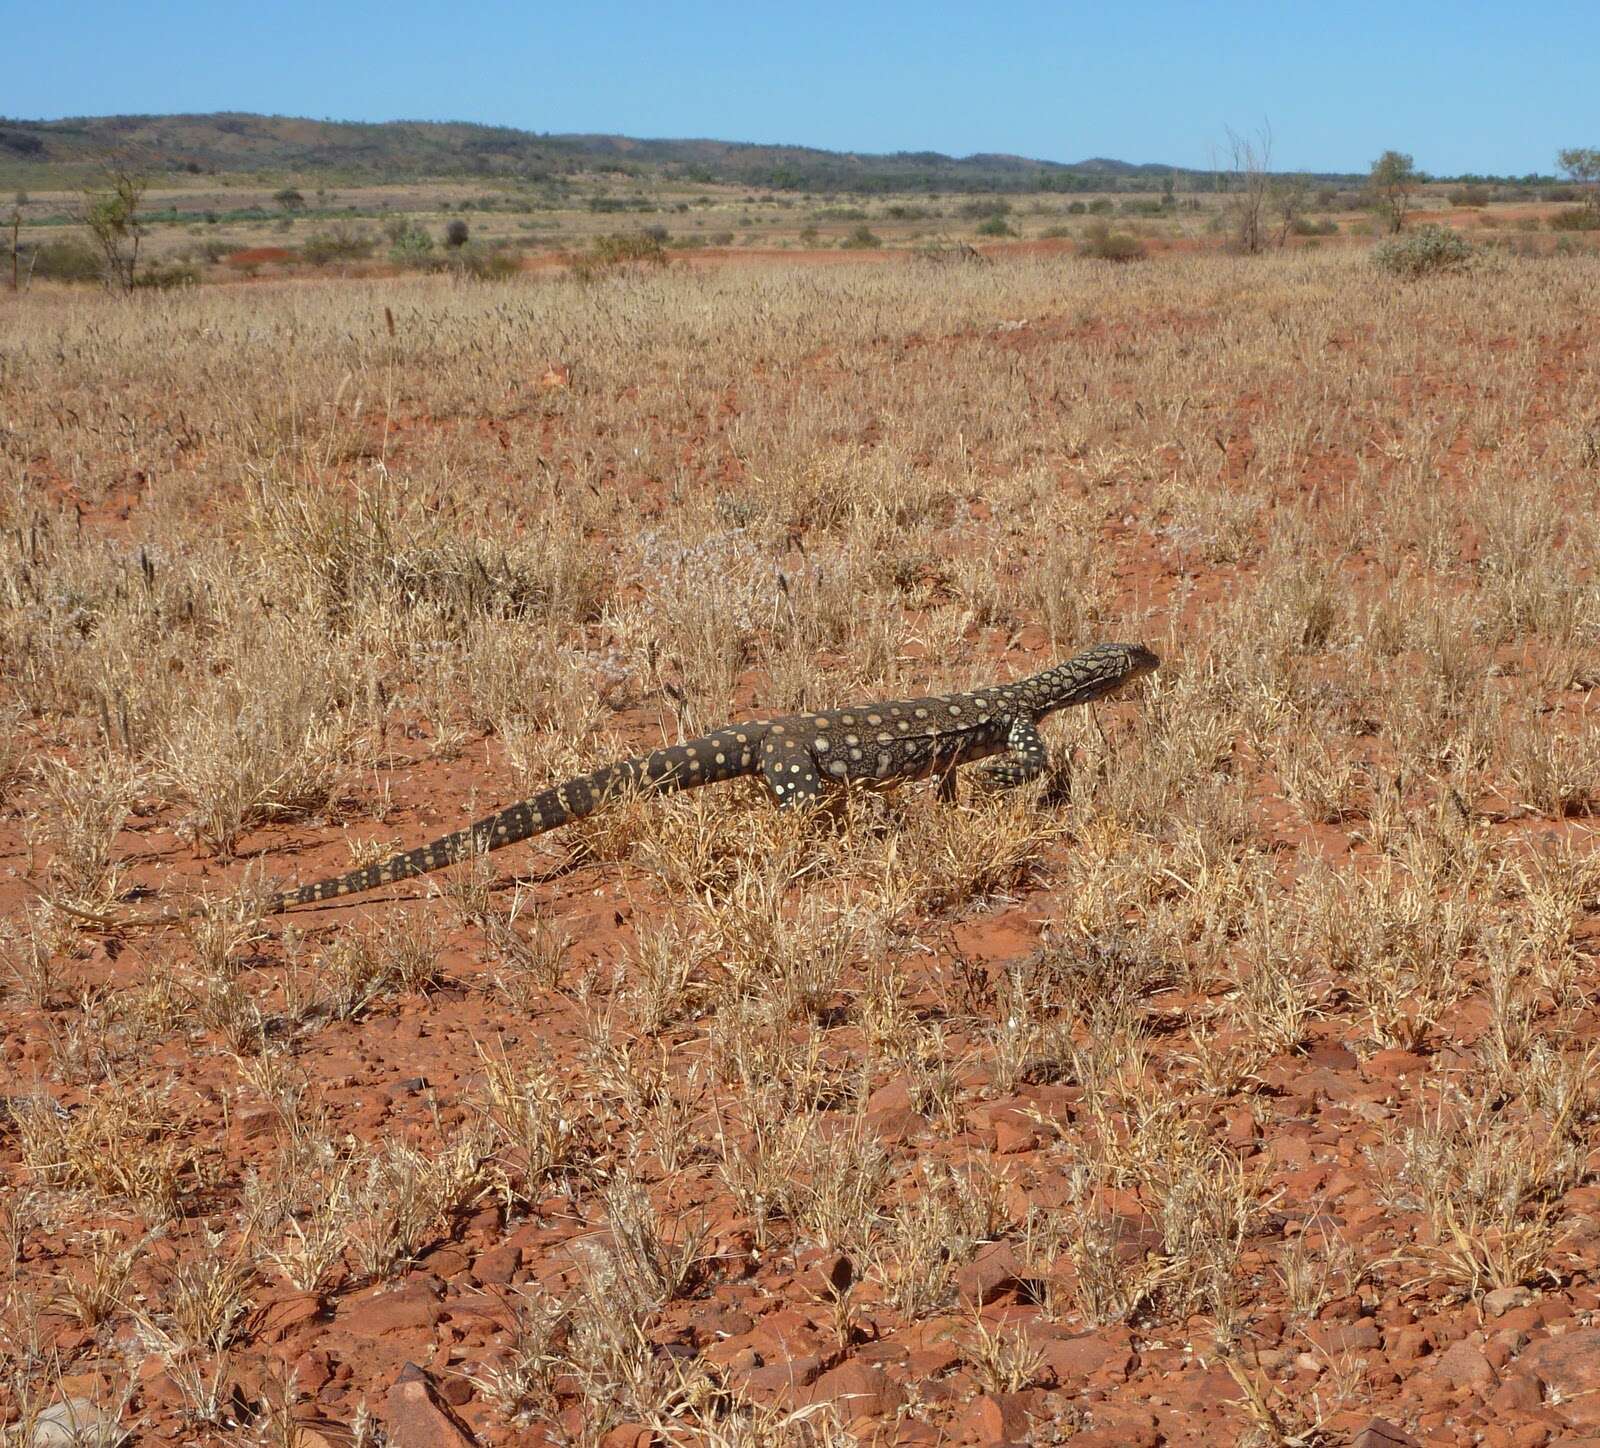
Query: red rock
x: 993, y: 1273
x: 411, y: 1309
x: 996, y: 1418
x: 321, y: 1433
x: 1410, y: 1342
x: 1464, y: 1366
x: 1012, y: 1137
x: 417, y: 1419
x: 895, y: 1125
x: 628, y: 1435
x: 497, y: 1266
x: 1332, y: 1056
x: 1568, y: 1365
x: 1120, y: 1428
x: 1073, y: 1359
x: 1387, y: 1065
x: 826, y: 1275
x: 313, y: 1371
x: 1504, y: 1299
x: 1242, y: 1128
x: 1519, y: 1393
x: 931, y: 1361
x: 281, y: 1318
x: 783, y: 1379
x: 1337, y: 1337
x: 893, y: 1095
x: 914, y: 1433
x: 720, y: 1323
x: 1381, y: 1433
x: 858, y: 1390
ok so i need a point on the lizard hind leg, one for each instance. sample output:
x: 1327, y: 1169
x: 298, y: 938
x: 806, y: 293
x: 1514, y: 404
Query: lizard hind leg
x: 790, y: 773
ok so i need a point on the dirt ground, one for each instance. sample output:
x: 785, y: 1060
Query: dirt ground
x: 1235, y: 1084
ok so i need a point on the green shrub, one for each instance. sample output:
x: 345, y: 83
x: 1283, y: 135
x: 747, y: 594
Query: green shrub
x: 457, y: 233
x: 1469, y: 196
x: 1427, y: 251
x: 995, y: 226
x: 68, y: 260
x: 1305, y: 226
x: 1101, y: 206
x: 977, y: 210
x: 861, y: 239
x: 409, y: 243
x: 339, y: 243
x: 1101, y: 243
x: 1575, y: 218
x: 1077, y: 208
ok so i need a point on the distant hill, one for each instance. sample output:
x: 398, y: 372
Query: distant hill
x: 412, y: 150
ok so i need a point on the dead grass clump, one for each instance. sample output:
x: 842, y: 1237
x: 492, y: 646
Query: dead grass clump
x: 127, y: 1145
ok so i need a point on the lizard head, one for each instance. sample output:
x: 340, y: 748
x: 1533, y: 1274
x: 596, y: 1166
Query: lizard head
x: 1104, y: 670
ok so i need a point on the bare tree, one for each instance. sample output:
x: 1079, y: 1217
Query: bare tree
x: 1582, y: 164
x: 1394, y: 187
x: 1249, y: 179
x: 111, y: 214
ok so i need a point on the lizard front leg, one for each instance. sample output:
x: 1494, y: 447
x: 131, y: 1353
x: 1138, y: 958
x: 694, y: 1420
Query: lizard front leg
x: 790, y: 773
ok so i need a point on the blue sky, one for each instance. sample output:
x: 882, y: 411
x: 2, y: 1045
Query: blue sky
x: 1494, y: 87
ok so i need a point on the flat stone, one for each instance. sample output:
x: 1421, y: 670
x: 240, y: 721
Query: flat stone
x: 418, y: 1419
x: 1568, y: 1365
x: 411, y: 1309
x: 858, y: 1390
x: 75, y: 1421
x: 1464, y: 1366
x: 993, y: 1273
x: 497, y: 1266
x: 996, y: 1418
x: 1381, y: 1433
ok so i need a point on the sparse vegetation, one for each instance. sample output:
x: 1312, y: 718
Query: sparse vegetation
x: 1245, y: 1062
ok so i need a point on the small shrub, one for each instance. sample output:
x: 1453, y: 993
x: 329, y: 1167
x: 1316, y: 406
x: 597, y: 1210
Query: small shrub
x: 1101, y: 243
x: 861, y: 239
x: 1575, y: 218
x: 166, y: 278
x: 1077, y: 208
x: 1101, y: 206
x: 629, y: 246
x: 66, y: 261
x: 1469, y: 196
x: 481, y: 264
x: 1304, y: 226
x: 409, y: 244
x: 995, y: 226
x: 1427, y: 251
x: 456, y: 234
x: 980, y: 209
x: 339, y: 243
x: 623, y: 249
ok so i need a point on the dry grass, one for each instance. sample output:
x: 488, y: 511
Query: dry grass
x: 325, y: 589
